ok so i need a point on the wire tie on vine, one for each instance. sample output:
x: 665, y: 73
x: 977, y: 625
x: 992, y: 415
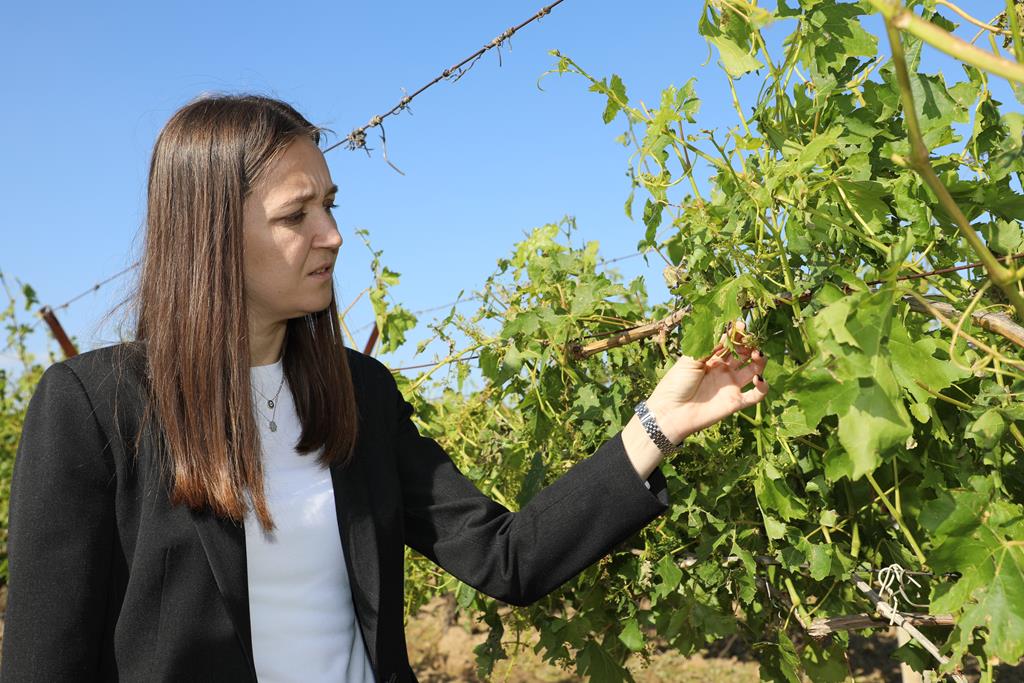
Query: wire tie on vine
x: 498, y: 40
x: 357, y: 139
x: 887, y: 577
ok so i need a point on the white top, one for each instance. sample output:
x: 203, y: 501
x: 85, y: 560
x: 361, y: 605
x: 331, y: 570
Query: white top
x: 300, y: 603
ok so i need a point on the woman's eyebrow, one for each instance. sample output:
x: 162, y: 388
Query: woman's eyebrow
x: 306, y: 196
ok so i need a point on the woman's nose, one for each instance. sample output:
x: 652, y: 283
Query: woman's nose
x: 330, y: 235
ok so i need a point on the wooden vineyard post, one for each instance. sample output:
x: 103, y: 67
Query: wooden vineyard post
x: 372, y: 340
x: 58, y: 332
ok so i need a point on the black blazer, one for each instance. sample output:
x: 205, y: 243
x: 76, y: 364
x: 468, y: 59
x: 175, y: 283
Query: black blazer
x: 109, y: 582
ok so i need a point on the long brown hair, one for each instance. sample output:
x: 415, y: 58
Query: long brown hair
x: 191, y: 317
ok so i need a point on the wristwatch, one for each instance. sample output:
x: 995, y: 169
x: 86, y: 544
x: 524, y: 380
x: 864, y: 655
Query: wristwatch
x: 650, y: 425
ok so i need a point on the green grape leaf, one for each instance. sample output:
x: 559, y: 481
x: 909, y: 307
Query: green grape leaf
x: 834, y: 35
x: 598, y: 665
x: 1004, y: 237
x: 631, y: 636
x: 780, y: 662
x: 616, y: 94
x: 670, y: 574
x: 465, y: 595
x: 712, y: 311
x: 825, y: 663
x: 533, y: 482
x: 987, y: 430
x: 735, y: 59
x: 874, y: 423
x: 914, y: 364
x: 820, y: 558
x: 980, y: 538
x: 775, y: 495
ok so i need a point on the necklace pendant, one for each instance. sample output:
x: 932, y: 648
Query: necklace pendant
x: 273, y: 426
x: 270, y: 403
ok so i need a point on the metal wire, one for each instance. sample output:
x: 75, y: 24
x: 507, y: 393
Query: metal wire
x: 357, y: 138
x: 96, y: 286
x: 72, y: 300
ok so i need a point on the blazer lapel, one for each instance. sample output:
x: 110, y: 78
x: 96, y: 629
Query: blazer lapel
x: 359, y: 542
x: 224, y: 543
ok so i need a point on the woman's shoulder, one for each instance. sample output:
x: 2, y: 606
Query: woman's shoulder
x: 363, y: 366
x: 107, y: 366
x: 104, y: 378
x: 371, y: 379
x: 99, y: 388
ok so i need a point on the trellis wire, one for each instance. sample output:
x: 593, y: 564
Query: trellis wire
x: 44, y: 310
x: 357, y: 138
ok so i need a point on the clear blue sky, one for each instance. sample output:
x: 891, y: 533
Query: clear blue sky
x: 485, y: 159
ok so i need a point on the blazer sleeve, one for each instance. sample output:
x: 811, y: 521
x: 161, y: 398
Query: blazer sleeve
x: 59, y: 537
x: 519, y: 557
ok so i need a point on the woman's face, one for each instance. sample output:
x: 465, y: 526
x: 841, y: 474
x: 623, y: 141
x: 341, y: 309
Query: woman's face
x: 288, y: 233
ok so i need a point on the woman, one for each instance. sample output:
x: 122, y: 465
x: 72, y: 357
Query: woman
x: 228, y: 496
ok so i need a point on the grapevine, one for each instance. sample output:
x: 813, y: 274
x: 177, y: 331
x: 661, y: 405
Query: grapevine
x: 833, y: 213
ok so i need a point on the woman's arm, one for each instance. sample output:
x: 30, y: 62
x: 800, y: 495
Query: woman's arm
x: 598, y: 503
x: 518, y: 557
x: 59, y: 538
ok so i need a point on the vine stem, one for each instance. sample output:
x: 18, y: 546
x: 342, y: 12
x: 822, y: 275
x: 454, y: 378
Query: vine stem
x: 898, y: 517
x: 798, y: 603
x: 902, y: 18
x: 1018, y: 437
x: 451, y: 358
x: 787, y: 273
x: 982, y: 31
x: 341, y: 318
x: 936, y: 311
x: 964, y: 316
x: 973, y: 20
x: 1001, y: 276
x: 943, y: 397
x: 1014, y: 24
x: 736, y: 105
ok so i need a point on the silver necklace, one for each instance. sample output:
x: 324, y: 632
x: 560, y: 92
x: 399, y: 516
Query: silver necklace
x: 272, y: 403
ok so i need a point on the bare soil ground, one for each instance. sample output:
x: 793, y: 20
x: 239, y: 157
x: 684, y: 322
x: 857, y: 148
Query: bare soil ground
x: 441, y: 643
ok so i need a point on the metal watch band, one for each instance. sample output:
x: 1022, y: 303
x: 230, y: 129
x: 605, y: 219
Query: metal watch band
x: 650, y: 425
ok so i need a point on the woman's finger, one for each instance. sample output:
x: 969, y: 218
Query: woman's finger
x: 740, y: 357
x: 714, y: 362
x: 687, y: 363
x: 735, y: 362
x: 735, y: 332
x: 752, y: 397
x: 717, y: 352
x: 747, y: 373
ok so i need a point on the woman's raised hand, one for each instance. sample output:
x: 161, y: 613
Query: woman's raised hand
x: 695, y: 394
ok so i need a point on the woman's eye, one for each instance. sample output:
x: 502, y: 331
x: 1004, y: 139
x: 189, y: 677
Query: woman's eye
x: 331, y: 206
x: 295, y: 217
